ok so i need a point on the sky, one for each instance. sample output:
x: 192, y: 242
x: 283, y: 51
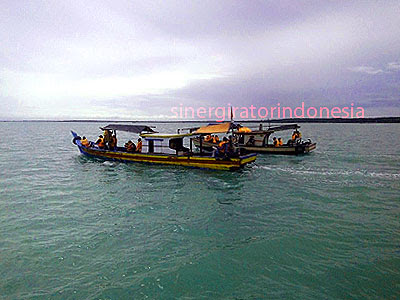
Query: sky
x: 136, y: 60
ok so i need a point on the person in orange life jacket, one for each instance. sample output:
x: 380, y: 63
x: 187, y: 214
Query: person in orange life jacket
x: 208, y: 138
x: 215, y: 139
x: 100, y: 142
x: 130, y: 146
x: 280, y: 142
x: 223, y: 146
x: 139, y: 145
x: 85, y: 142
x: 296, y: 135
x: 276, y: 144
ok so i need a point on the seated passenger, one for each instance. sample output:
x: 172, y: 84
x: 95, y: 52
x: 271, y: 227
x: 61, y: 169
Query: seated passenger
x: 215, y: 139
x: 251, y: 141
x: 221, y: 149
x: 139, y: 145
x: 130, y: 146
x: 276, y: 143
x: 280, y: 142
x: 223, y: 146
x: 100, y: 142
x: 208, y: 138
x: 234, y: 139
x: 85, y: 142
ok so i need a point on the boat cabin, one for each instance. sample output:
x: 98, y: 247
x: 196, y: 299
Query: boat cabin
x: 260, y: 137
x: 164, y: 143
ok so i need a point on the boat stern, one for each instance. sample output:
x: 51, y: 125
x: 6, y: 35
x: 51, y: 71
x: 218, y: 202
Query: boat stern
x: 310, y: 147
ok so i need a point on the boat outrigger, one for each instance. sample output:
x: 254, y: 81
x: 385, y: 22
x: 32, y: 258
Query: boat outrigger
x: 258, y: 141
x: 161, y: 148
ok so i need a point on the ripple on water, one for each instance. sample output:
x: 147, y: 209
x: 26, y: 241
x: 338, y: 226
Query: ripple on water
x: 323, y: 225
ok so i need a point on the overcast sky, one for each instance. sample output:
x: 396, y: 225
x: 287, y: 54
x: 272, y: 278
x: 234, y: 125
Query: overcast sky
x: 137, y: 59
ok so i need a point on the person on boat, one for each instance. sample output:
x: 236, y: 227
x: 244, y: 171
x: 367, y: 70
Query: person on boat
x: 221, y: 149
x: 251, y: 141
x: 275, y: 141
x: 100, y: 142
x: 113, y: 143
x: 234, y: 139
x: 216, y: 139
x: 85, y: 142
x: 230, y: 148
x: 130, y: 146
x: 280, y: 142
x: 139, y: 145
x: 107, y: 135
x: 296, y: 135
x: 208, y: 138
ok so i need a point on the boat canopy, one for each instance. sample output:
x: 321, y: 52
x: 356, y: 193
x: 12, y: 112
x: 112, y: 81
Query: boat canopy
x: 284, y: 127
x: 128, y: 128
x: 165, y: 135
x: 214, y: 128
x: 270, y: 130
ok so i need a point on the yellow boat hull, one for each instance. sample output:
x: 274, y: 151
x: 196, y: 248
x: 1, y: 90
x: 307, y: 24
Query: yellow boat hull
x: 170, y: 159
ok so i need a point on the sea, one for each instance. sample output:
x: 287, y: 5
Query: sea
x: 320, y: 226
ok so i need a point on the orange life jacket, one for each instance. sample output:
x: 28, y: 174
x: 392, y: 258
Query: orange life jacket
x: 280, y: 142
x: 139, y: 147
x: 130, y: 148
x: 221, y: 146
x: 85, y: 142
x: 208, y: 138
x: 101, y: 143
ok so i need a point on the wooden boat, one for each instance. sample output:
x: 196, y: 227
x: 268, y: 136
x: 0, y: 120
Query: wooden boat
x: 166, y: 149
x: 258, y: 141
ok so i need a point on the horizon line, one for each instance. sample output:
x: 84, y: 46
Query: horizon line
x: 297, y: 120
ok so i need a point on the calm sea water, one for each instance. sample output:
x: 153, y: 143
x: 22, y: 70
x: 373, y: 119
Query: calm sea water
x: 320, y: 226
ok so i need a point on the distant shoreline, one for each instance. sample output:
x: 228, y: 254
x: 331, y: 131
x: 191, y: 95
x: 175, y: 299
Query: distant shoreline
x: 293, y: 120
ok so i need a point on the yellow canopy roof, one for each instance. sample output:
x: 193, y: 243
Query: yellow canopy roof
x: 218, y: 128
x: 244, y: 129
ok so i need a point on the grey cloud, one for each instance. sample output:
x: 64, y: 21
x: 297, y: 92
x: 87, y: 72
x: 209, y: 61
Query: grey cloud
x: 226, y: 51
x: 367, y: 70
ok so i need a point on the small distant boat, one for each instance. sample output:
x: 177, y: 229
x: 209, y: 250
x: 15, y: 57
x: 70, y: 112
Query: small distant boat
x: 258, y: 141
x: 166, y: 149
